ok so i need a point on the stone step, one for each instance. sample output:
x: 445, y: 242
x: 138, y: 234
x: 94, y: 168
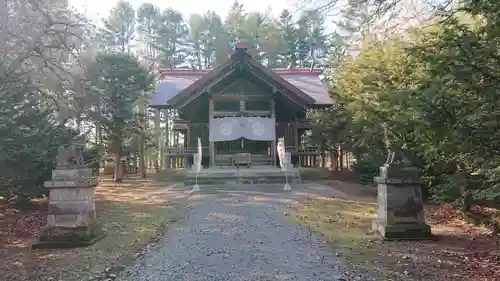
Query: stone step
x: 239, y: 180
x: 262, y: 162
x: 242, y: 178
x: 257, y: 157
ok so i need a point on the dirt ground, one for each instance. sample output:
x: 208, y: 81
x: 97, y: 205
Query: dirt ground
x: 462, y: 251
x: 134, y: 215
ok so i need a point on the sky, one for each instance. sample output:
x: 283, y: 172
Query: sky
x: 97, y: 9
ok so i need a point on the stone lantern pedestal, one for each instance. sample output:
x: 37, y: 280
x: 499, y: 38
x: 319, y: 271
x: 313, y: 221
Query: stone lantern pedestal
x: 71, y: 218
x: 400, y: 212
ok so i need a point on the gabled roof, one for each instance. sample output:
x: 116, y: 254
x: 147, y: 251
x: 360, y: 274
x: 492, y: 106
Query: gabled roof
x: 171, y: 86
x: 202, y: 82
x: 182, y: 85
x: 311, y: 85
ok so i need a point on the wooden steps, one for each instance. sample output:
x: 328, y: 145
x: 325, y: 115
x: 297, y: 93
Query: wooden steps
x: 252, y: 175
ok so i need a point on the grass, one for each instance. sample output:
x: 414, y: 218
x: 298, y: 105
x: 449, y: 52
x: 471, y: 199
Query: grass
x: 133, y: 213
x: 463, y: 251
x: 342, y: 222
x: 345, y: 225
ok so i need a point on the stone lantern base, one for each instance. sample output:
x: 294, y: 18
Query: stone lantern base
x: 413, y: 231
x: 71, y: 218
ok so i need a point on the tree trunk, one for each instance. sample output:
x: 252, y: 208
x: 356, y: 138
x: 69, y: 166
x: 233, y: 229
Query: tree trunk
x: 198, y: 57
x: 78, y: 121
x: 99, y: 146
x: 323, y: 155
x: 341, y: 162
x: 118, y: 171
x: 143, y: 121
x: 335, y: 157
x: 142, y: 160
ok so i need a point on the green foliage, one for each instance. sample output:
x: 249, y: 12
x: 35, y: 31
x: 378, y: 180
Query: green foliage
x: 168, y: 39
x: 30, y: 139
x: 119, y: 28
x: 365, y: 170
x: 92, y: 156
x: 436, y: 90
x: 116, y: 81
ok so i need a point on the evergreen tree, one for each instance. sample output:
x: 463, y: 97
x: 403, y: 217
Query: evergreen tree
x: 117, y: 81
x: 147, y: 29
x: 30, y: 139
x: 171, y: 40
x: 119, y: 28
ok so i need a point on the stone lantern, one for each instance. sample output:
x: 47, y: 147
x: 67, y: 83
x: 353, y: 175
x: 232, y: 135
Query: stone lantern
x: 71, y: 218
x: 400, y: 212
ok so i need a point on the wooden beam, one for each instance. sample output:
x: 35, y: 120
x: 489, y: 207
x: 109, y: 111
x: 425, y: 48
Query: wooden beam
x: 273, y: 142
x: 211, y: 146
x: 246, y: 113
x: 206, y: 88
x: 236, y: 97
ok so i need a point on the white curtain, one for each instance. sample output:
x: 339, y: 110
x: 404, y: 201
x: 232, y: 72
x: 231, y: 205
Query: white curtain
x: 233, y: 128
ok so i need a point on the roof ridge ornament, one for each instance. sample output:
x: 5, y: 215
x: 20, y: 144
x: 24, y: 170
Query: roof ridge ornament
x: 240, y: 46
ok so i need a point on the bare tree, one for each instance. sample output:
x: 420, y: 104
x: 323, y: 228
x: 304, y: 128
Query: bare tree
x: 43, y: 41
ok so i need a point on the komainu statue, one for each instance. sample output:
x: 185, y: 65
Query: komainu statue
x: 70, y: 158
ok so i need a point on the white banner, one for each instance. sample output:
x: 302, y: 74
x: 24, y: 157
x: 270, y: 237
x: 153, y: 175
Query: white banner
x: 251, y: 128
x: 198, y: 162
x: 281, y: 152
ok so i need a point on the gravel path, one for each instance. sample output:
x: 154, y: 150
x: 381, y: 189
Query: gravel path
x: 237, y: 236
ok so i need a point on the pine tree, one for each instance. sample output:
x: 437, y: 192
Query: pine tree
x: 119, y: 28
x: 30, y: 139
x: 117, y: 81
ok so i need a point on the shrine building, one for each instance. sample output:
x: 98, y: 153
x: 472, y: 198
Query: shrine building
x: 239, y: 108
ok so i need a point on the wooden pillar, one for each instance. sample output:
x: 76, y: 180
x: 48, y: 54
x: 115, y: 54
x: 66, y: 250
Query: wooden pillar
x: 273, y: 142
x: 187, y: 137
x: 297, y: 136
x: 211, y: 146
x: 176, y: 144
x: 166, y: 142
x: 156, y: 159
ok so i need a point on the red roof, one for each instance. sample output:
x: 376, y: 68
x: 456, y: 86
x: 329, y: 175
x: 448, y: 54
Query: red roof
x: 302, y: 84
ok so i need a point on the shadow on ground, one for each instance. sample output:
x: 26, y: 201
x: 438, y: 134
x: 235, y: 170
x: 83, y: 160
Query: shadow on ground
x: 133, y: 214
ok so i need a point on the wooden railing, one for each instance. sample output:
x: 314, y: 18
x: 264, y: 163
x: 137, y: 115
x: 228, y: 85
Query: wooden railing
x: 186, y: 150
x: 194, y: 149
x: 305, y: 156
x: 246, y: 113
x: 180, y: 124
x: 302, y: 149
x: 182, y: 157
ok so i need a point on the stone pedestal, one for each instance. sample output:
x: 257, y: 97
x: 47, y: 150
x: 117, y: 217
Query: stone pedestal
x: 71, y: 218
x: 400, y: 213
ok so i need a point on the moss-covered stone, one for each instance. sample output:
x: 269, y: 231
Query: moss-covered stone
x: 62, y: 237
